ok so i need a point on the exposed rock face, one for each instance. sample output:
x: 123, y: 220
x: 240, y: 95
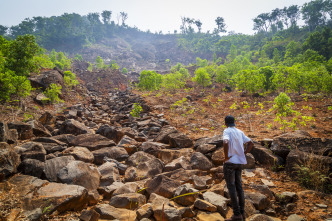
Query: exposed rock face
x: 80, y: 173
x: 7, y: 135
x: 266, y: 156
x: 53, y: 166
x: 39, y: 130
x: 162, y: 186
x: 32, y: 167
x: 45, y: 78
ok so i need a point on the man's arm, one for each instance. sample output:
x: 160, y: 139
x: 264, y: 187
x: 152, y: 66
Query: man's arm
x: 250, y: 145
x: 226, y: 147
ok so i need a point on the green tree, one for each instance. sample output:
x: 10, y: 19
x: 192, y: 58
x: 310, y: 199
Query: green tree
x: 70, y: 79
x: 99, y: 62
x: 313, y: 13
x: 221, y: 26
x: 106, y: 15
x: 222, y: 74
x: 150, y: 80
x: 276, y: 56
x: 53, y: 92
x: 249, y: 80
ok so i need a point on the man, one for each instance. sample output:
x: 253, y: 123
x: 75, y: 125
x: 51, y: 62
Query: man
x: 233, y: 141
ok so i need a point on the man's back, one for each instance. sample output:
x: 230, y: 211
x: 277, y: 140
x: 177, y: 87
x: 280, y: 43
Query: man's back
x: 236, y: 140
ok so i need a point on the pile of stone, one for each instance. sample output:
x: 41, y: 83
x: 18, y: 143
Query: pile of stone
x: 125, y: 168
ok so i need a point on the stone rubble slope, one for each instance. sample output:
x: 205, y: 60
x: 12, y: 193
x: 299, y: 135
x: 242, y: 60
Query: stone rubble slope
x: 100, y: 160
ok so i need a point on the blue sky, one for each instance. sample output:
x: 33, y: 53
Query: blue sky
x: 155, y: 15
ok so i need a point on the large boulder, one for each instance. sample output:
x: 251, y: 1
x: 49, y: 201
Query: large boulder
x: 163, y: 136
x: 130, y: 201
x: 117, y: 153
x: 109, y: 212
x: 46, y: 78
x: 146, y: 165
x: 181, y: 162
x: 302, y: 141
x: 53, y: 166
x: 109, y: 174
x: 180, y: 140
x: 74, y: 127
x: 217, y: 200
x: 33, y: 151
x: 152, y: 148
x: 216, y: 140
x: 168, y: 155
x: 51, y: 144
x: 259, y: 200
x: 130, y: 144
x: 265, y: 156
x: 57, y: 197
x: 9, y: 160
x: 184, y: 195
x: 47, y: 119
x: 32, y: 167
x: 80, y: 173
x: 24, y: 130
x: 79, y: 153
x: 92, y: 141
x: 38, y: 129
x: 111, y: 132
x: 7, y: 135
x: 297, y: 158
x: 162, y: 186
x: 199, y: 161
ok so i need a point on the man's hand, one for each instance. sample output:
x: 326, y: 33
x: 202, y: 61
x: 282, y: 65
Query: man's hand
x: 249, y: 145
x: 226, y: 159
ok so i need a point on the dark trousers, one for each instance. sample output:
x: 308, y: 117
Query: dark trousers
x: 232, y: 174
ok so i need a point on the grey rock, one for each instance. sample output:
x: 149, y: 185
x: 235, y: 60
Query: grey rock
x: 204, y: 205
x: 217, y: 200
x: 109, y: 174
x: 185, y: 199
x: 9, y: 160
x: 32, y: 167
x: 74, y: 127
x: 107, y: 211
x: 24, y: 130
x: 130, y: 201
x: 79, y: 153
x: 53, y: 166
x: 117, y: 153
x: 199, y: 161
x: 181, y: 162
x: 259, y: 200
x: 162, y: 186
x: 92, y: 141
x: 89, y: 215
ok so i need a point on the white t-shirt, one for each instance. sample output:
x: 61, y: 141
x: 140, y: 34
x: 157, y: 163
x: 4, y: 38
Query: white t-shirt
x: 236, y: 140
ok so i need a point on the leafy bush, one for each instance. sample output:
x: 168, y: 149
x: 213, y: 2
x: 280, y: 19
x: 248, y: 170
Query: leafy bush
x: 150, y: 80
x: 60, y: 60
x: 136, y: 111
x: 78, y: 57
x: 124, y: 71
x: 283, y: 104
x: 202, y: 77
x: 70, y: 79
x: 11, y: 84
x: 53, y: 92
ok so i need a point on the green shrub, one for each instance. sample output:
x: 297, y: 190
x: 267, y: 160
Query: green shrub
x: 202, y: 77
x: 150, y: 80
x: 136, y: 111
x: 70, y: 79
x: 53, y: 92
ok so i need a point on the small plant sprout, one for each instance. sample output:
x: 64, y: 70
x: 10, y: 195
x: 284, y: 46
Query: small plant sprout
x: 136, y: 111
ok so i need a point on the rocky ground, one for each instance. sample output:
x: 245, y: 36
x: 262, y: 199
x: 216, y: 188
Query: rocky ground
x: 92, y: 160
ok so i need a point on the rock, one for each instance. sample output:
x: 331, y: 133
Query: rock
x: 74, y: 127
x: 58, y: 197
x: 185, y: 199
x: 250, y: 161
x: 89, y: 215
x: 200, y: 182
x: 32, y: 167
x: 79, y: 153
x: 144, y: 211
x: 7, y: 135
x: 131, y: 187
x: 129, y: 144
x: 249, y: 209
x: 121, y: 167
x: 286, y: 197
x: 130, y: 174
x: 109, y: 174
x: 146, y: 164
x: 206, y: 148
x: 152, y: 148
x: 46, y: 78
x: 218, y: 157
x: 263, y: 189
x: 217, y: 200
x: 110, y: 132
x: 50, y: 144
x: 184, y: 176
x: 53, y: 166
x: 130, y: 201
x: 157, y: 201
x: 199, y: 161
x: 297, y: 158
x: 180, y: 140
x: 163, y: 136
x: 117, y: 153
x: 206, y: 216
x: 167, y: 155
x: 109, y: 212
x: 218, y: 188
x: 187, y: 212
x: 259, y: 200
x: 262, y: 217
x: 302, y: 141
x: 9, y: 160
x: 47, y: 119
x: 93, y: 197
x: 24, y: 184
x: 92, y: 141
x: 107, y: 191
x: 65, y: 138
x: 24, y: 130
x: 166, y: 214
x: 204, y: 205
x: 266, y: 157
x: 295, y: 217
x: 181, y: 162
x: 32, y: 150
x: 38, y: 129
x: 80, y: 173
x: 33, y: 215
x: 216, y: 140
x: 268, y: 183
x: 162, y: 186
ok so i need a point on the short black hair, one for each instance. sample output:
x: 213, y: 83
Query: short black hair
x: 230, y: 121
